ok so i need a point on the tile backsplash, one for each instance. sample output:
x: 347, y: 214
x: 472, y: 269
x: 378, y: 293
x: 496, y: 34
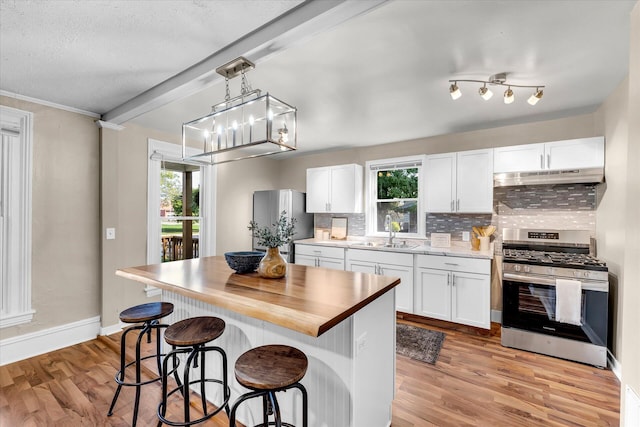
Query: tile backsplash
x: 562, y: 206
x: 355, y: 222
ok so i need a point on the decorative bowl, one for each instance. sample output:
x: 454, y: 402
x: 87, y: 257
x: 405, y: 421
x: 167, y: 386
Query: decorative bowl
x: 245, y: 261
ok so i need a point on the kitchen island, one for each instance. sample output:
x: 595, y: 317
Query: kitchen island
x: 343, y: 321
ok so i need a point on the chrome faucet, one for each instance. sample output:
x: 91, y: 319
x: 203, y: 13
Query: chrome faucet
x: 387, y: 221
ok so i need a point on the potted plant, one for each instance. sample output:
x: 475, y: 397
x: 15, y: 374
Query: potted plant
x: 273, y: 265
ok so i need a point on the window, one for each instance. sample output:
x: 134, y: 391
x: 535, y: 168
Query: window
x: 178, y: 230
x: 15, y: 216
x: 394, y: 188
x: 179, y: 183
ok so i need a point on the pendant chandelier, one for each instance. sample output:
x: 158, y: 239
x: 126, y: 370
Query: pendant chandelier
x: 497, y: 80
x: 249, y: 125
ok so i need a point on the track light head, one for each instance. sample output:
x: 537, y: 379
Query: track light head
x: 533, y: 99
x: 509, y: 97
x: 485, y: 93
x: 454, y: 91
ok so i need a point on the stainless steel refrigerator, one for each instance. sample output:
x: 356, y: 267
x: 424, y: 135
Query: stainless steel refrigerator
x: 267, y: 206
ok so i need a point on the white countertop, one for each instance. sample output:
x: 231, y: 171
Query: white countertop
x: 458, y: 248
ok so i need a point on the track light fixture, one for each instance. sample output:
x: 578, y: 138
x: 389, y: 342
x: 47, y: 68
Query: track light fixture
x: 533, y: 99
x: 508, y: 96
x: 454, y: 91
x: 485, y: 92
x: 499, y: 79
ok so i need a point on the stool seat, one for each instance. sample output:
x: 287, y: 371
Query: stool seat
x: 267, y: 370
x: 271, y: 367
x: 194, y: 331
x: 146, y: 312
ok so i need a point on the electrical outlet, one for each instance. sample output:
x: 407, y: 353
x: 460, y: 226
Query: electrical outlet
x: 465, y: 236
x: 110, y: 233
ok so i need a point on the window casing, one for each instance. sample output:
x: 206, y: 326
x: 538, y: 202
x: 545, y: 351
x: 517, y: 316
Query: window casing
x: 159, y: 152
x: 15, y: 216
x: 394, y: 188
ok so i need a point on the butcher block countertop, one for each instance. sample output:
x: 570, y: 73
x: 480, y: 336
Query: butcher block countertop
x: 309, y: 300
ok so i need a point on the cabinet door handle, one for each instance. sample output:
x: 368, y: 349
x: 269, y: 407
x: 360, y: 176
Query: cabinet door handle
x: 548, y: 161
x: 458, y: 204
x: 380, y: 270
x: 317, y: 262
x: 451, y: 263
x: 541, y: 161
x: 453, y: 279
x: 448, y: 279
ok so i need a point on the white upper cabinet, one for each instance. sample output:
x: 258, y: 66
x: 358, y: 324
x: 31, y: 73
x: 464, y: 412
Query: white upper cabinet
x: 575, y: 153
x: 560, y: 155
x: 440, y: 182
x: 335, y: 189
x: 459, y: 182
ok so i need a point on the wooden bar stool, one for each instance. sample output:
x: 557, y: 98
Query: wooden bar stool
x: 189, y: 337
x: 267, y: 370
x: 147, y: 316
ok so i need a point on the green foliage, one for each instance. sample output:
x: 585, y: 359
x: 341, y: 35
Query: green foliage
x: 176, y: 202
x: 170, y: 186
x: 398, y: 184
x: 278, y: 234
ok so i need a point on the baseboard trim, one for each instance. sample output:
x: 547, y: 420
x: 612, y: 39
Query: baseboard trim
x: 40, y: 342
x: 108, y: 330
x: 614, y: 365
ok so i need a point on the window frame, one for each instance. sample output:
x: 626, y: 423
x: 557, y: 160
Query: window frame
x: 371, y: 186
x: 16, y: 206
x: 157, y: 150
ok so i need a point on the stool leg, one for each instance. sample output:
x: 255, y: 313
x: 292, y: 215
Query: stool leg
x: 276, y: 409
x: 162, y: 409
x: 136, y: 404
x: 203, y: 395
x: 305, y: 404
x: 265, y: 410
x: 123, y: 347
x: 236, y: 404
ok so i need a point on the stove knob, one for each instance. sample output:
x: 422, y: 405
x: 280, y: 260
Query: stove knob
x: 527, y: 269
x: 586, y: 274
x: 576, y: 274
x: 516, y: 267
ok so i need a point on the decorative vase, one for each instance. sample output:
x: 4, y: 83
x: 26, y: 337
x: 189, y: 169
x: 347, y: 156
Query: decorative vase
x: 273, y: 265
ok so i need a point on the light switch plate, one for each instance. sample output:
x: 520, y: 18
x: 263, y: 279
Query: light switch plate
x: 110, y: 233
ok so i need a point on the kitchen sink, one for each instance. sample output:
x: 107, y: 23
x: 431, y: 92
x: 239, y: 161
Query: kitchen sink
x: 383, y: 245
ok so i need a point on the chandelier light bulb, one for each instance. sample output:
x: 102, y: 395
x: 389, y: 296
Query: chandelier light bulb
x: 454, y: 91
x: 485, y: 93
x: 533, y: 99
x: 508, y: 96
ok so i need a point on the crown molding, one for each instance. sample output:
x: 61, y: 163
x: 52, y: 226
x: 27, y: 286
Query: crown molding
x: 49, y: 104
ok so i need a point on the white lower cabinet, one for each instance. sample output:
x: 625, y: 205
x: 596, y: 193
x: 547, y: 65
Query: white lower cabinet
x: 320, y: 256
x: 454, y: 289
x: 387, y: 264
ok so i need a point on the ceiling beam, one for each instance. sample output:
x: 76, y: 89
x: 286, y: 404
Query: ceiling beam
x: 308, y: 18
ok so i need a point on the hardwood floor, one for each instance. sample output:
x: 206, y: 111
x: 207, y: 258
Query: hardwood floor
x: 475, y: 382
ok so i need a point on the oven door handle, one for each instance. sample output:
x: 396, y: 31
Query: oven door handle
x: 587, y: 285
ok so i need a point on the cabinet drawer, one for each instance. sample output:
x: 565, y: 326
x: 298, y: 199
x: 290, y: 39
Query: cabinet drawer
x: 380, y: 257
x: 320, y: 251
x: 469, y: 265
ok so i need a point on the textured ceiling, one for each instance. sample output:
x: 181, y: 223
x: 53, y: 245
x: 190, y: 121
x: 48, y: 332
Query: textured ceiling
x: 379, y: 77
x: 96, y: 54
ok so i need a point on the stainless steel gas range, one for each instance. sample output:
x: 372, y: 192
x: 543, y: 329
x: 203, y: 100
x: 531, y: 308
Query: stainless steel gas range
x: 555, y: 295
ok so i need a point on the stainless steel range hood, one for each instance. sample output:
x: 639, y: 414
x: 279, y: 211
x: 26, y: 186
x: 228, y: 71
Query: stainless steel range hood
x: 573, y: 176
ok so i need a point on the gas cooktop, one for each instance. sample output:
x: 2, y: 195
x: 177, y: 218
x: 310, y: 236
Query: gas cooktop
x: 554, y: 259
